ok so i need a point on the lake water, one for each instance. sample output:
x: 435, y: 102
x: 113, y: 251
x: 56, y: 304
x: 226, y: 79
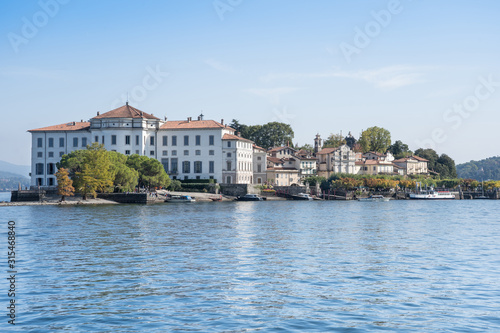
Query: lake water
x: 399, y: 266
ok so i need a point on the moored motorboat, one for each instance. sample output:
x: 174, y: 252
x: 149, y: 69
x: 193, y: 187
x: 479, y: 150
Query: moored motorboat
x: 249, y: 197
x: 302, y: 196
x: 179, y: 198
x: 374, y: 198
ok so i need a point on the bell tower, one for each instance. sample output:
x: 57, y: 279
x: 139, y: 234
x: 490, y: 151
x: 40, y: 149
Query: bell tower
x: 317, y: 143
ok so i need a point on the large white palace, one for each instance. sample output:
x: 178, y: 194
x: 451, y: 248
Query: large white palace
x: 188, y: 149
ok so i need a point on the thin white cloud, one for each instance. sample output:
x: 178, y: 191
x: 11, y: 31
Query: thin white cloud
x: 217, y: 65
x: 386, y: 78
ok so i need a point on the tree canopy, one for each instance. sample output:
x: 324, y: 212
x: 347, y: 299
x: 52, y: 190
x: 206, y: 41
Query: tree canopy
x: 334, y: 141
x: 269, y: 135
x: 375, y: 139
x: 399, y: 149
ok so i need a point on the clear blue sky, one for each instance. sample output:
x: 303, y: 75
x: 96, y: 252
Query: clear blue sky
x: 323, y: 66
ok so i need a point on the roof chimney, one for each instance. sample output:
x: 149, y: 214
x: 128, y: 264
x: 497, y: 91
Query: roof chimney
x: 165, y: 118
x: 74, y: 123
x: 189, y: 119
x: 81, y: 120
x: 199, y: 117
x: 97, y: 112
x: 238, y: 133
x: 222, y: 121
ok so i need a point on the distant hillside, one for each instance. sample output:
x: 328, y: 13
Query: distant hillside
x: 485, y: 169
x: 22, y: 170
x: 10, y: 181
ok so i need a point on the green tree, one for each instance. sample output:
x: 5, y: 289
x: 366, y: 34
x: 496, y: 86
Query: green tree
x: 151, y: 171
x: 400, y: 150
x: 64, y: 184
x: 307, y: 147
x: 313, y: 180
x: 96, y: 176
x: 125, y: 177
x: 243, y: 129
x: 375, y: 139
x: 175, y: 185
x: 334, y: 141
x: 73, y: 162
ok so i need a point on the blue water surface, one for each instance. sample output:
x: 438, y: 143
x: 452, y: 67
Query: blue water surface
x: 399, y: 266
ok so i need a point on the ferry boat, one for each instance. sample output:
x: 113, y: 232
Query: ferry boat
x: 431, y: 194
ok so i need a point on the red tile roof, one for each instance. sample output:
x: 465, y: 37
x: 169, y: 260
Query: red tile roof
x: 234, y: 137
x: 259, y: 148
x: 275, y: 160
x: 126, y: 111
x: 193, y: 124
x: 417, y: 158
x: 72, y: 126
x: 280, y: 148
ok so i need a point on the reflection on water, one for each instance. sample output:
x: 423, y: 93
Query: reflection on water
x: 259, y: 266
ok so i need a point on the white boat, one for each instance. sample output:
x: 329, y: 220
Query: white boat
x: 179, y: 198
x: 302, y: 196
x: 375, y: 198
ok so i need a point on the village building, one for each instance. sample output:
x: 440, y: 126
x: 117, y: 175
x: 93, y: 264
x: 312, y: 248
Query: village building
x: 413, y: 165
x: 259, y: 165
x: 282, y: 171
x: 336, y: 160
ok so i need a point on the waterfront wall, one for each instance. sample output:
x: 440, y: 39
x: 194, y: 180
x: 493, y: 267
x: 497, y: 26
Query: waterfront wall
x: 238, y: 189
x: 27, y: 195
x: 136, y: 198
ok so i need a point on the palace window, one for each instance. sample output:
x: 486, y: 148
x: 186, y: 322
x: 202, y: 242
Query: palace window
x: 197, y: 167
x: 211, y: 140
x: 186, y: 167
